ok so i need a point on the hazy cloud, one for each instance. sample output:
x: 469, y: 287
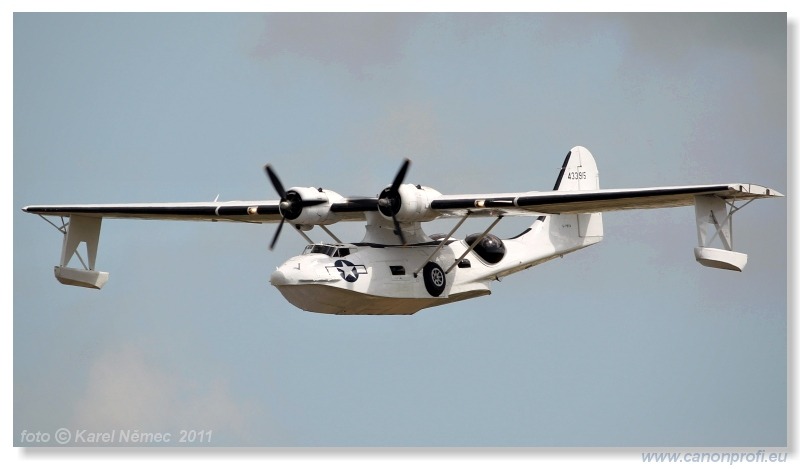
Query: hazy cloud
x: 355, y: 40
x: 692, y: 34
x: 126, y: 390
x: 406, y: 130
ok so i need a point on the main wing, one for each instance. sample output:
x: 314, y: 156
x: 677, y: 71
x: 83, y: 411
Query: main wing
x: 591, y: 201
x: 577, y: 190
x: 248, y: 211
x: 355, y: 209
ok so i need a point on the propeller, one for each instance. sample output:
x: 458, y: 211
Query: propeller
x: 389, y: 199
x: 276, y: 183
x: 290, y: 206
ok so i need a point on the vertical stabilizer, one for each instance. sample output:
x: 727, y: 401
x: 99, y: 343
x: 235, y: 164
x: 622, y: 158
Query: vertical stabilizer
x: 552, y: 236
x: 570, y: 232
x: 578, y: 173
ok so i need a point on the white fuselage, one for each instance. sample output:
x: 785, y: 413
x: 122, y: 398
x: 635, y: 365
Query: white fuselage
x: 368, y: 278
x: 374, y: 280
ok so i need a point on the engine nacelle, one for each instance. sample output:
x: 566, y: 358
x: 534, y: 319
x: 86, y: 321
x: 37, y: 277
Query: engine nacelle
x: 310, y: 206
x: 413, y: 204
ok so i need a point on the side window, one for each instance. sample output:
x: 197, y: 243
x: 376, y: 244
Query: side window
x: 397, y: 269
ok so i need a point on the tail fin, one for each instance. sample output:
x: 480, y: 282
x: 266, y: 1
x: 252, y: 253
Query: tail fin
x: 569, y: 232
x: 552, y: 236
x: 579, y: 172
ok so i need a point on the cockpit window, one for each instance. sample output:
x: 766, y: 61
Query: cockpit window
x: 326, y: 249
x: 319, y: 249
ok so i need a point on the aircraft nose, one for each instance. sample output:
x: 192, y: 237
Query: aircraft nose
x: 278, y: 278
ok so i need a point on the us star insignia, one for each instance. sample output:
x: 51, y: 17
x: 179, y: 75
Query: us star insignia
x: 348, y: 270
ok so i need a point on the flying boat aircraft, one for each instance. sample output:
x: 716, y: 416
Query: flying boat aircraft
x: 397, y: 268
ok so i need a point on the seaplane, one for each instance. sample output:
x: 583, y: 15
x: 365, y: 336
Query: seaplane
x: 397, y: 268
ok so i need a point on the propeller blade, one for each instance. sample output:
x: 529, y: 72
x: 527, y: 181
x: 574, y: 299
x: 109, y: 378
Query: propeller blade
x: 277, y: 233
x: 276, y: 183
x: 401, y: 175
x: 398, y: 231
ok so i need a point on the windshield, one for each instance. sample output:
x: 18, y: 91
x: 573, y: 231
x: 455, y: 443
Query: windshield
x: 328, y: 250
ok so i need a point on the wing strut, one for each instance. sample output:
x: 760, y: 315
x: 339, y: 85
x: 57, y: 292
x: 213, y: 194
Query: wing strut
x: 62, y: 228
x: 442, y: 243
x: 475, y: 243
x: 297, y: 227
x: 330, y: 233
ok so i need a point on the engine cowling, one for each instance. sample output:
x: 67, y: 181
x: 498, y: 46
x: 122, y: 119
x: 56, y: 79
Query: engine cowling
x: 410, y: 203
x: 309, y: 206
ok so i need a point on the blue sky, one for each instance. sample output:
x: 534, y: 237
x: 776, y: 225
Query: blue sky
x: 628, y: 343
